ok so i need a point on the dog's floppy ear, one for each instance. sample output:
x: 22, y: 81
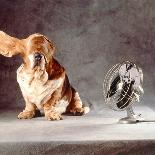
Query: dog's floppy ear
x: 10, y: 46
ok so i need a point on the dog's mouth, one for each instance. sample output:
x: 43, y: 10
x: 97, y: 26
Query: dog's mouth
x: 36, y: 64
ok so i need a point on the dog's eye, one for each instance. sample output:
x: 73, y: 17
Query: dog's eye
x: 37, y: 56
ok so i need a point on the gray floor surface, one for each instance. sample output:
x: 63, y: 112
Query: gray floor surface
x: 93, y: 133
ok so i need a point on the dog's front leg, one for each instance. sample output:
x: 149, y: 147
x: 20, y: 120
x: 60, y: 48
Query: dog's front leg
x: 51, y: 112
x: 28, y: 112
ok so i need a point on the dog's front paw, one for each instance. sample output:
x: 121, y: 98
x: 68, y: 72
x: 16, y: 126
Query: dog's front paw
x: 52, y: 116
x: 26, y: 115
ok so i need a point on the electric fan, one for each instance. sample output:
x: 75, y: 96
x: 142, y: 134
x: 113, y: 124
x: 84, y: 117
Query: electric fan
x: 122, y: 87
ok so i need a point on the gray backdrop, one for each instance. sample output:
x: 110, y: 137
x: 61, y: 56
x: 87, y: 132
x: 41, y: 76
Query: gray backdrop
x: 90, y: 36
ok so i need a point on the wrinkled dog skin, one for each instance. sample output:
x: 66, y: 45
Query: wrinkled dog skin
x: 43, y: 81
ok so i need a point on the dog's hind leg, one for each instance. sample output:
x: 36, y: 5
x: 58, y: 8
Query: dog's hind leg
x: 50, y: 110
x: 76, y: 106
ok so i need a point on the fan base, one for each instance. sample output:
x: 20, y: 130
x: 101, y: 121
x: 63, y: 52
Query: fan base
x: 131, y: 120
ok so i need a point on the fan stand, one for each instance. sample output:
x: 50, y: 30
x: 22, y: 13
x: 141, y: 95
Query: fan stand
x: 131, y: 118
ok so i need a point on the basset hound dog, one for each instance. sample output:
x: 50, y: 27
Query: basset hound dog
x: 42, y: 80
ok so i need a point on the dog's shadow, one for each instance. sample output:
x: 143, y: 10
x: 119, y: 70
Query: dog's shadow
x: 39, y: 114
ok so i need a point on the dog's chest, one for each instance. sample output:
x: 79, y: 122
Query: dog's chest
x: 36, y: 87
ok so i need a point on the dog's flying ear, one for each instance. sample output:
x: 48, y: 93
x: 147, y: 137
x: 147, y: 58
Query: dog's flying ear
x: 10, y: 46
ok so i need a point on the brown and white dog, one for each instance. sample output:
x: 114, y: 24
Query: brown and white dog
x: 43, y: 81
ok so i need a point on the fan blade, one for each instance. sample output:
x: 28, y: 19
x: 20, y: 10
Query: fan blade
x: 126, y: 95
x: 113, y: 87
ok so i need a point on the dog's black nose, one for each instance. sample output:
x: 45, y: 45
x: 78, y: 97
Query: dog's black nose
x: 37, y: 56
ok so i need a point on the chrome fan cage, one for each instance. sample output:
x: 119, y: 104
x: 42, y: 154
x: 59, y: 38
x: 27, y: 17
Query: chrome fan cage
x: 112, y: 101
x: 124, y: 96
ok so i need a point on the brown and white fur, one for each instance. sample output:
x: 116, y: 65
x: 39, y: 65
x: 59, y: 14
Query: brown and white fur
x: 43, y: 81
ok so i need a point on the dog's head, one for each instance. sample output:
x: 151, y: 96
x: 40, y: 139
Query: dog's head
x: 36, y: 50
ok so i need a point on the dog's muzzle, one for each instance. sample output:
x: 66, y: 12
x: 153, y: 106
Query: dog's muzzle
x: 37, y: 59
